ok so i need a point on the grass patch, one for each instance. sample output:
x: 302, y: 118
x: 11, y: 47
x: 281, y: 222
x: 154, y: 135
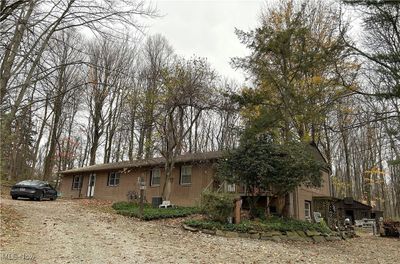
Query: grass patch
x: 270, y: 224
x: 150, y: 213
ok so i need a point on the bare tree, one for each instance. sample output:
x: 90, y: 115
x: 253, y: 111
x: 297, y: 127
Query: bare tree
x: 63, y: 52
x: 157, y: 55
x: 188, y: 84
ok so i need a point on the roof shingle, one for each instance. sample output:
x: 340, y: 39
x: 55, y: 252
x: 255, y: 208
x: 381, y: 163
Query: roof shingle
x: 190, y: 157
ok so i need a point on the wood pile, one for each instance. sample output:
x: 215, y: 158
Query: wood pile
x: 391, y: 228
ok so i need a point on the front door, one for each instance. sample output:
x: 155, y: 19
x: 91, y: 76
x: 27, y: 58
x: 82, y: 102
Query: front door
x: 91, y: 184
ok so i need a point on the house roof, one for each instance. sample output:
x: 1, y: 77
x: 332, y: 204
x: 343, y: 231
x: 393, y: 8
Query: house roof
x: 190, y: 157
x: 349, y: 203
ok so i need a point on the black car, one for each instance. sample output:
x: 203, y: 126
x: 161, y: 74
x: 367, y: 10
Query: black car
x: 34, y: 190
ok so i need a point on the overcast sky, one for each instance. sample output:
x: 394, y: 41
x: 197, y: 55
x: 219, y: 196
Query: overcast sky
x: 206, y: 29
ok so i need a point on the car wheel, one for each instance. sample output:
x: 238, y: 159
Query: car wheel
x: 40, y: 197
x: 14, y: 197
x: 53, y: 198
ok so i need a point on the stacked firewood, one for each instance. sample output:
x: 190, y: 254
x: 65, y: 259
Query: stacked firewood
x: 391, y: 228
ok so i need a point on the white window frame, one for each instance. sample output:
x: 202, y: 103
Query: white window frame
x: 152, y: 174
x: 307, y: 209
x: 113, y: 179
x: 231, y: 187
x: 183, y: 170
x: 79, y: 182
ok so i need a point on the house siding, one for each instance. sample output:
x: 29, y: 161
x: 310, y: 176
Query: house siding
x: 303, y: 194
x: 184, y: 195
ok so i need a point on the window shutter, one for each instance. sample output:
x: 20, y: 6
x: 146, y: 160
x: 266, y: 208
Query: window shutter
x: 180, y: 175
x: 73, y: 181
x: 108, y: 179
x: 117, y: 175
x: 151, y: 178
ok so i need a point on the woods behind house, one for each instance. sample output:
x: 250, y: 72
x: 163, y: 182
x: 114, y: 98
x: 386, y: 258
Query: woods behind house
x: 82, y: 84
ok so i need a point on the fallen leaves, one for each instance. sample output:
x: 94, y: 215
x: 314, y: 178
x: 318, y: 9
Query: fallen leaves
x: 70, y: 229
x: 10, y: 222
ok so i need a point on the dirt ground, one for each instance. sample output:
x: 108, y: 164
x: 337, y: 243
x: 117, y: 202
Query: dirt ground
x: 71, y: 232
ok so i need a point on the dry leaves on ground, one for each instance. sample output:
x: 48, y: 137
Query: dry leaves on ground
x: 10, y: 223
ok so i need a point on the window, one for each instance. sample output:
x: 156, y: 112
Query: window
x: 113, y: 179
x: 307, y: 209
x: 186, y: 175
x: 231, y: 187
x: 76, y: 182
x: 155, y: 177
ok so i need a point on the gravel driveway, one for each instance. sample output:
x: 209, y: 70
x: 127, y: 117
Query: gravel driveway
x: 67, y: 232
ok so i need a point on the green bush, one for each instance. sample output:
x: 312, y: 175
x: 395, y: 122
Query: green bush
x: 212, y: 225
x: 258, y: 212
x: 217, y: 206
x: 289, y: 224
x: 271, y: 224
x: 150, y: 213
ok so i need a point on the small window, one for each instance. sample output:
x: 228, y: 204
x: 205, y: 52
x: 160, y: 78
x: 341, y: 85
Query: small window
x: 307, y: 209
x: 155, y: 177
x: 231, y: 187
x: 76, y: 182
x: 113, y: 179
x: 186, y: 175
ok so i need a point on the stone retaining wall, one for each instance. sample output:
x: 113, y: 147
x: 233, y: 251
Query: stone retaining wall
x: 277, y: 236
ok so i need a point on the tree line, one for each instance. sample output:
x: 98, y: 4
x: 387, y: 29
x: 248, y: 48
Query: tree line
x: 72, y: 101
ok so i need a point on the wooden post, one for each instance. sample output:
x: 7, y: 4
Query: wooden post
x: 381, y: 229
x: 267, y: 212
x: 237, y: 211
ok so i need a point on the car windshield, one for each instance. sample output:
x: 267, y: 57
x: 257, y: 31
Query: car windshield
x: 32, y: 183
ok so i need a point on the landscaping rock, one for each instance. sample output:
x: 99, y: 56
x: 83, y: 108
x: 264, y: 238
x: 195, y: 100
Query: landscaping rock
x: 189, y: 228
x: 284, y: 238
x: 318, y: 239
x: 312, y: 233
x: 244, y: 235
x: 332, y: 238
x: 208, y: 231
x: 298, y: 238
x: 266, y: 237
x: 271, y: 233
x: 220, y: 233
x: 334, y: 233
x: 231, y: 234
x: 308, y: 239
x: 292, y: 234
x: 277, y: 238
x: 255, y: 236
x: 301, y: 233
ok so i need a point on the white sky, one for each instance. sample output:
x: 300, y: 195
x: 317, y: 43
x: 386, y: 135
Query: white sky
x: 206, y: 29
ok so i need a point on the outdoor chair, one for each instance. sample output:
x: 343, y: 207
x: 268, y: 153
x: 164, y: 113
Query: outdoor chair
x: 166, y: 204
